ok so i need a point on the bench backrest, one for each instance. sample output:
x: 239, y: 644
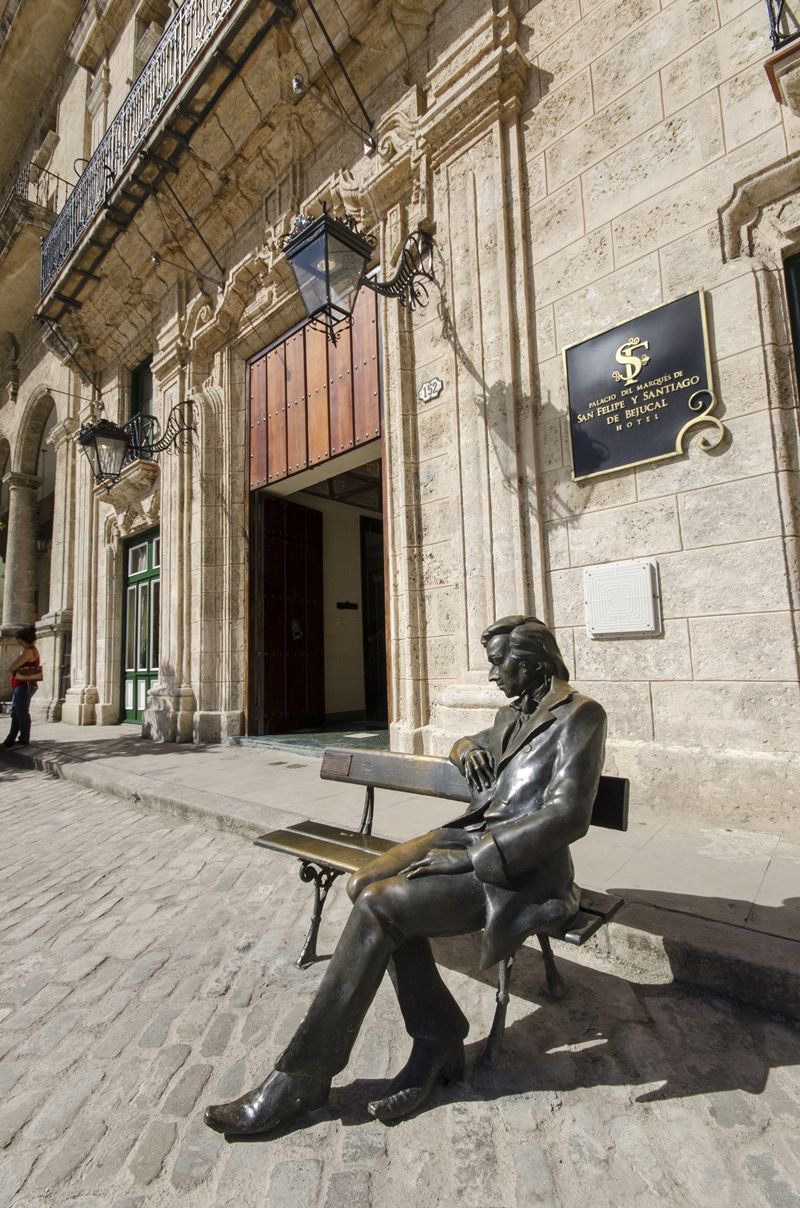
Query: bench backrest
x: 435, y: 777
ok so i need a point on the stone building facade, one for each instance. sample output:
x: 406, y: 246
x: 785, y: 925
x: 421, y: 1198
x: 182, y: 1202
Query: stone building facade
x: 579, y: 163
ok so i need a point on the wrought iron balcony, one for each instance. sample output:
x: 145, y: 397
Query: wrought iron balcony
x: 178, y: 51
x: 38, y: 185
x: 783, y: 24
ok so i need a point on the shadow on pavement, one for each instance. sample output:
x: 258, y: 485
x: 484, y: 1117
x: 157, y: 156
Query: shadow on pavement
x: 102, y: 748
x: 665, y: 1041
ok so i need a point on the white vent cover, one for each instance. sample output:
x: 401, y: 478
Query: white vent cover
x: 622, y: 598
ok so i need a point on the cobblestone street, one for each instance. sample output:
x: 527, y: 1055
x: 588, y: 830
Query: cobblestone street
x: 147, y: 970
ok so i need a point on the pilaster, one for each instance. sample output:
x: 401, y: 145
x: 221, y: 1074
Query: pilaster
x: 20, y: 577
x: 79, y: 708
x: 172, y: 701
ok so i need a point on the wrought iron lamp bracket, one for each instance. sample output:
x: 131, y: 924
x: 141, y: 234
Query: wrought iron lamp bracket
x: 145, y: 439
x: 140, y: 439
x: 415, y: 268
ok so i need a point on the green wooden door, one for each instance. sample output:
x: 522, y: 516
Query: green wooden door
x: 142, y: 598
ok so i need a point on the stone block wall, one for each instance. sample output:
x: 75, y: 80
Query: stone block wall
x: 638, y: 123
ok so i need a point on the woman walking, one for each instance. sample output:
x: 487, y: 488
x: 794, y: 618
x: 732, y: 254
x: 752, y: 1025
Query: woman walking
x: 26, y: 671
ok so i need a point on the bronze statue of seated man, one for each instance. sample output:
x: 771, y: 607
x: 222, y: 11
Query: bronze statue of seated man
x: 504, y: 868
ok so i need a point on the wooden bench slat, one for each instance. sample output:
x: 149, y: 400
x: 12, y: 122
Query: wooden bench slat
x: 366, y: 846
x: 427, y: 775
x: 431, y: 776
x: 316, y: 851
x: 581, y: 928
x: 341, y: 834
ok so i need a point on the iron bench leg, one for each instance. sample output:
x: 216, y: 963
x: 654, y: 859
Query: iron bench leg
x: 322, y: 878
x: 495, y: 1039
x: 556, y: 987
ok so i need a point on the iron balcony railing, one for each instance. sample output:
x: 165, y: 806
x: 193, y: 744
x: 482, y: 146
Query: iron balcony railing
x: 784, y: 25
x: 178, y: 50
x: 46, y: 188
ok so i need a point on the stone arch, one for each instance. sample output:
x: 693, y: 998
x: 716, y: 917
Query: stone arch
x: 31, y: 430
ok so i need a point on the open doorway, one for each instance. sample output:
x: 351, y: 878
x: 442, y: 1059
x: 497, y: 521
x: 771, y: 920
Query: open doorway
x: 318, y: 616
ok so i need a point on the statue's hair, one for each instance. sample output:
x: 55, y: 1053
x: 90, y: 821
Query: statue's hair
x: 529, y: 638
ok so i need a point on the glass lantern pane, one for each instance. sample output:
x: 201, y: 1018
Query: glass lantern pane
x: 346, y: 268
x: 110, y: 454
x: 308, y: 266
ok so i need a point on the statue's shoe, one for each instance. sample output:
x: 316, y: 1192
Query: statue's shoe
x: 431, y: 1062
x: 275, y: 1102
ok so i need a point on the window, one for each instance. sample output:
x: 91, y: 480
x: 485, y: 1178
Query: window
x: 142, y: 388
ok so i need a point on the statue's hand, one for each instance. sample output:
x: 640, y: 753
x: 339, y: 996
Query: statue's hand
x: 444, y: 860
x: 478, y: 767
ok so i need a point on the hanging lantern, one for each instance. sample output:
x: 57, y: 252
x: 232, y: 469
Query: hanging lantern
x: 328, y: 259
x: 105, y: 445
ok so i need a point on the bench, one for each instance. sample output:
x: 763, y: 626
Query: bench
x: 326, y: 852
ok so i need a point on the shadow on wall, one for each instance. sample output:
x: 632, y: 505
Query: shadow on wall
x: 495, y: 401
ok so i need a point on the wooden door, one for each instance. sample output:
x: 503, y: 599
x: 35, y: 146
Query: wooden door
x: 373, y: 614
x: 287, y: 672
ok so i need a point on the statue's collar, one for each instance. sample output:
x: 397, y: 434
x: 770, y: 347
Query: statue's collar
x: 551, y: 694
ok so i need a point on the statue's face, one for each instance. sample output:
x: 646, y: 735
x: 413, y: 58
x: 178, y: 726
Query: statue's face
x: 512, y: 675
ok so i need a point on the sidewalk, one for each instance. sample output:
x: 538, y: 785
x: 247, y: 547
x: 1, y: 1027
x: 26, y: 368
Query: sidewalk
x: 713, y: 907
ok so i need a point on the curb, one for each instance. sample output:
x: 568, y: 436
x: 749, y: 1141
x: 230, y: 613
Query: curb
x: 211, y: 810
x: 643, y: 941
x: 751, y: 967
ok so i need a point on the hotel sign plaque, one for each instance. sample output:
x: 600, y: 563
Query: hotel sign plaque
x: 637, y: 390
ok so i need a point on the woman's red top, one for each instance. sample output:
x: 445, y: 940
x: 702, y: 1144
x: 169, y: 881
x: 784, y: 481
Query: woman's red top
x: 31, y: 665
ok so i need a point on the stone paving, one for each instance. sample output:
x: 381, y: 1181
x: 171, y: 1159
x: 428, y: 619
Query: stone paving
x: 146, y: 969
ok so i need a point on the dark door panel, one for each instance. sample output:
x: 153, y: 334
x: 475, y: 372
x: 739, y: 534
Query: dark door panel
x: 373, y: 619
x: 287, y: 619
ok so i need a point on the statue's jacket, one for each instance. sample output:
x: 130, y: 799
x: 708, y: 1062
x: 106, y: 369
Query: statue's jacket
x: 546, y: 778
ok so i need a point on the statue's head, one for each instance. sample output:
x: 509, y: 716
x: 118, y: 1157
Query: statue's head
x: 523, y: 654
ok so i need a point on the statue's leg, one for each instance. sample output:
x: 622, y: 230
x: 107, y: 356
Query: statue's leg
x: 321, y: 1045
x: 385, y: 915
x: 427, y: 1005
x: 390, y: 863
x: 436, y: 905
